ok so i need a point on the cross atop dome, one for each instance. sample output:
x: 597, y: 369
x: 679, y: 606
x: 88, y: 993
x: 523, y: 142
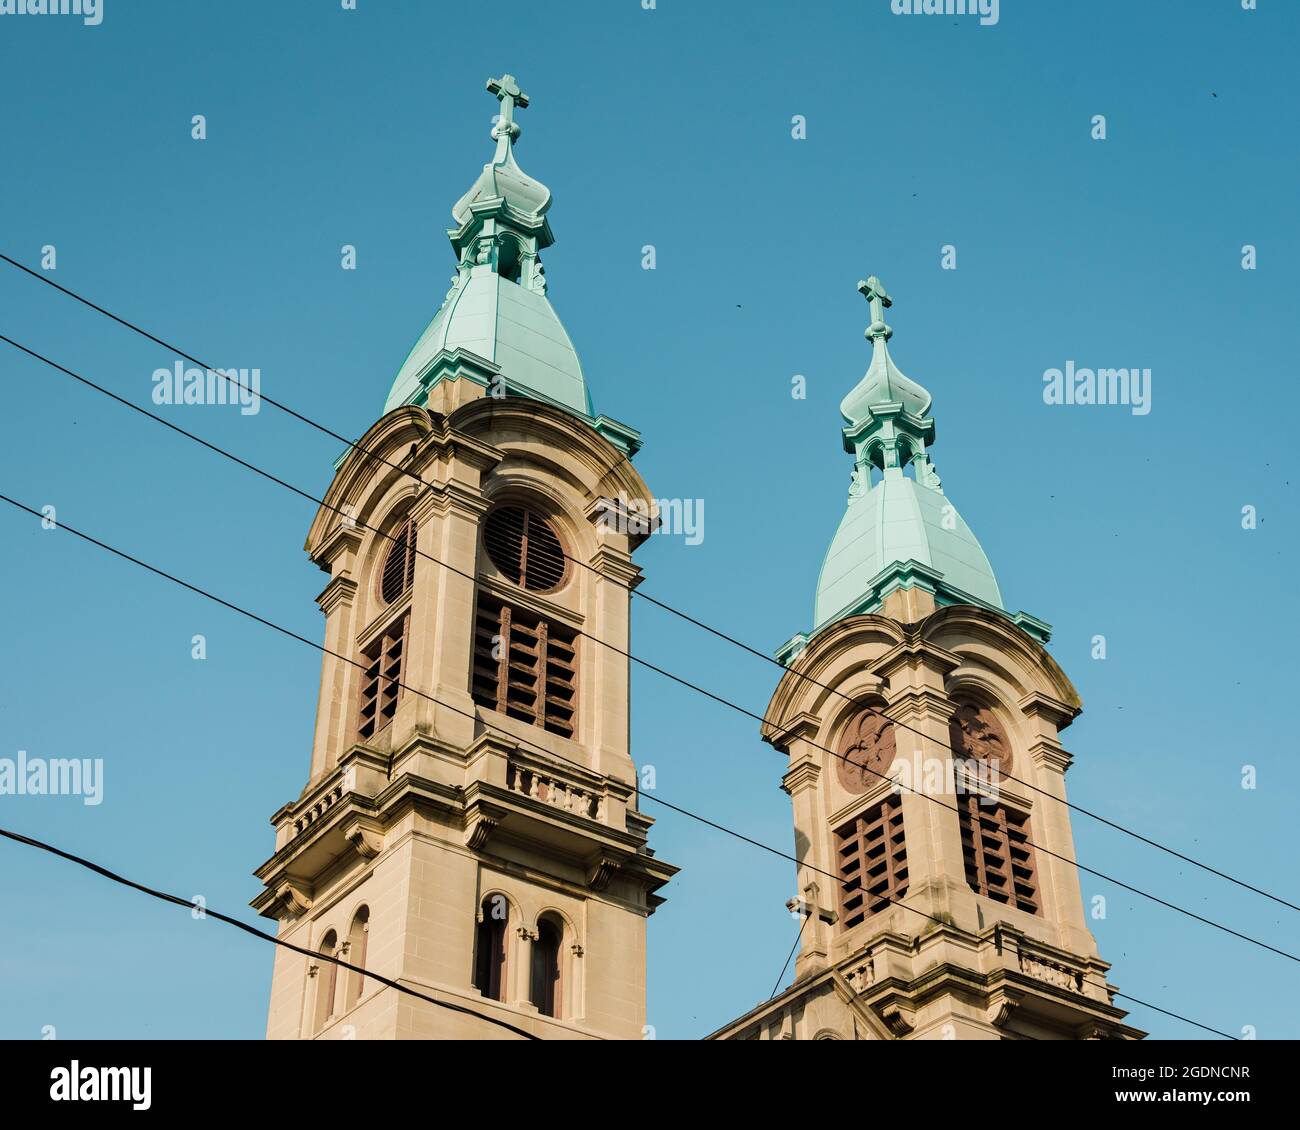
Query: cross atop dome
x: 506, y: 88
x: 873, y: 290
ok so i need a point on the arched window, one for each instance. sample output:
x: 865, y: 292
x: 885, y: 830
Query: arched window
x: 357, y: 939
x: 326, y: 980
x: 509, y: 255
x: 381, y: 680
x: 544, y: 979
x: 398, y: 573
x: 997, y: 846
x: 383, y: 656
x: 525, y: 665
x: 490, y: 947
x: 871, y: 854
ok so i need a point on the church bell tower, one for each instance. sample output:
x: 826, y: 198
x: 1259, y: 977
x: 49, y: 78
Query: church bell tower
x: 470, y: 828
x: 937, y: 889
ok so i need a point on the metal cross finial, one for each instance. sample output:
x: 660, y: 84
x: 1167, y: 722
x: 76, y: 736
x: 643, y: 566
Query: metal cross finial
x: 873, y: 290
x: 506, y: 88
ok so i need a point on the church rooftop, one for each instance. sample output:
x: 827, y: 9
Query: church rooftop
x: 899, y: 529
x: 497, y: 308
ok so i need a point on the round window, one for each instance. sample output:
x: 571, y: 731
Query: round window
x: 525, y: 548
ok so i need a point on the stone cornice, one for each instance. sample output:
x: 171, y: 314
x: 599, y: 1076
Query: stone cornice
x: 1050, y: 754
x: 616, y: 567
x: 782, y: 735
x: 344, y: 539
x: 606, y: 511
x: 341, y: 590
x: 1060, y: 714
x: 453, y: 497
x: 906, y: 703
x: 912, y: 649
x: 803, y: 775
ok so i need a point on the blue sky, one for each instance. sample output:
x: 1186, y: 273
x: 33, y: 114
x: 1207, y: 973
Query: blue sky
x: 669, y: 127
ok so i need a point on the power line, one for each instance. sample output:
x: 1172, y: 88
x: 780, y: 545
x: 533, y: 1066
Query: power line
x: 1074, y: 862
x: 1071, y: 805
x: 208, y: 912
x: 625, y: 654
x: 806, y: 914
x: 896, y: 902
x: 545, y: 752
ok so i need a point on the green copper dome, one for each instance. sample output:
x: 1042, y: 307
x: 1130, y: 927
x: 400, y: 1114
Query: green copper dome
x: 896, y: 525
x: 900, y: 531
x: 497, y: 307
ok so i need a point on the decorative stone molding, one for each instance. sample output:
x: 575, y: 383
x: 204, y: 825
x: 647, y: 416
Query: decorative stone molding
x: 1051, y: 972
x: 554, y: 789
x: 341, y: 590
x: 327, y: 800
x: 616, y: 567
x: 1058, y: 713
x: 862, y: 975
x: 1002, y: 1005
x: 867, y: 750
x: 602, y: 869
x: 481, y: 820
x: 804, y: 775
x: 291, y: 900
x: 898, y: 1018
x: 1050, y: 754
x: 783, y: 736
x: 346, y: 538
x: 368, y: 842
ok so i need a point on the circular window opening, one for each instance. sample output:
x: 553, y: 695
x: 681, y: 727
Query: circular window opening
x: 524, y: 547
x: 398, y: 572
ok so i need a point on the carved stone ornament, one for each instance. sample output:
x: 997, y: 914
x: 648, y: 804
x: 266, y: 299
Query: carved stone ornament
x: 292, y: 899
x: 976, y: 735
x: 866, y: 751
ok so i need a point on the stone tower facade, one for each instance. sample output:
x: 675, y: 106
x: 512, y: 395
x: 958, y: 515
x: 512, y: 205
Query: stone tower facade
x: 937, y: 890
x: 470, y: 828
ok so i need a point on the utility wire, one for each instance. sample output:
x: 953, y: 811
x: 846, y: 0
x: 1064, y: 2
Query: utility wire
x: 717, y: 632
x: 797, y: 939
x: 896, y: 902
x: 545, y: 752
x: 621, y: 652
x: 254, y: 931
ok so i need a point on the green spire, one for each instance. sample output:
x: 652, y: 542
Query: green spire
x: 502, y: 179
x: 497, y: 310
x: 884, y: 392
x: 899, y: 531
